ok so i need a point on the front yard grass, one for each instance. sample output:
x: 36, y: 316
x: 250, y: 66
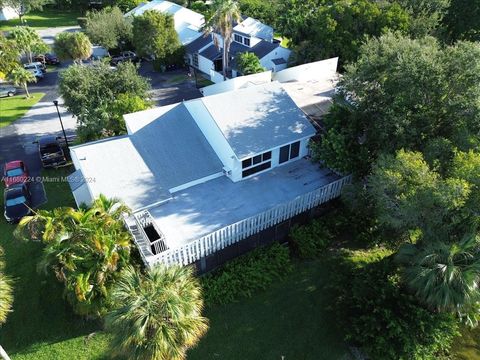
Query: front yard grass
x: 44, y: 19
x: 13, y: 108
x: 40, y: 314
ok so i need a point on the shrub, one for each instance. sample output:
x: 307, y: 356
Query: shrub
x: 82, y: 22
x: 380, y: 316
x: 244, y: 275
x: 310, y: 241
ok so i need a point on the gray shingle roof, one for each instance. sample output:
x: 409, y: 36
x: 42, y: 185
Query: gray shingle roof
x: 263, y: 48
x: 197, y: 44
x: 175, y: 149
x: 279, y: 61
x: 258, y: 118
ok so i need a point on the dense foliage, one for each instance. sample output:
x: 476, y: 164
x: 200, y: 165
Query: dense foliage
x: 378, y: 314
x: 310, y: 241
x: 156, y: 315
x: 27, y: 41
x: 108, y: 28
x: 74, y: 46
x: 461, y: 20
x: 408, y: 101
x: 249, y: 63
x: 85, y: 248
x: 154, y: 36
x: 99, y: 96
x: 244, y: 275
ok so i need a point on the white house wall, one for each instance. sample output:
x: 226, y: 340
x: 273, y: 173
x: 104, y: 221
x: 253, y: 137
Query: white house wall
x: 319, y: 70
x: 237, y: 83
x: 7, y: 13
x: 204, y: 65
x: 279, y: 52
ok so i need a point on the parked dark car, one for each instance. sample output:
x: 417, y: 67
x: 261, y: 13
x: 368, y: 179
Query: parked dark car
x: 50, y: 151
x: 48, y: 59
x: 18, y: 202
x: 124, y: 56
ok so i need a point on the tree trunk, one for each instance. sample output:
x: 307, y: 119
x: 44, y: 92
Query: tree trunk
x: 3, y: 354
x: 26, y: 90
x: 224, y: 60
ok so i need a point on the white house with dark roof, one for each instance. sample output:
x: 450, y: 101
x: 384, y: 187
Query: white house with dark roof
x: 250, y: 35
x: 205, y: 55
x: 207, y: 173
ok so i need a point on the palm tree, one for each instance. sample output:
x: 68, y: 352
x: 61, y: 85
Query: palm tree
x: 86, y: 248
x: 21, y: 77
x: 444, y: 276
x: 6, y: 300
x: 157, y: 315
x: 225, y: 13
x: 75, y: 46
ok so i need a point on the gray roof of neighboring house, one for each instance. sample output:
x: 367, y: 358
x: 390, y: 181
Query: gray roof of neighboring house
x: 174, y: 147
x: 198, y: 44
x: 264, y: 48
x: 279, y: 61
x: 258, y: 118
x: 261, y: 49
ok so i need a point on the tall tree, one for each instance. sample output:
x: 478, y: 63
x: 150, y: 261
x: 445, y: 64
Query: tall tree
x: 157, y: 315
x: 27, y: 41
x: 98, y: 95
x: 85, y: 248
x: 22, y: 7
x: 389, y: 102
x: 425, y: 15
x: 75, y: 46
x: 154, y: 35
x: 21, y: 77
x: 108, y: 28
x: 226, y: 12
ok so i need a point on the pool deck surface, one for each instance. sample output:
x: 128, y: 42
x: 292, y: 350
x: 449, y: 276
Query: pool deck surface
x: 205, y: 208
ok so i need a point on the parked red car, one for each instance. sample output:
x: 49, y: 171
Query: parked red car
x: 15, y: 172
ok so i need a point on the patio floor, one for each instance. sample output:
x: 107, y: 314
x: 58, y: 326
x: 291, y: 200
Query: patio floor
x: 205, y: 208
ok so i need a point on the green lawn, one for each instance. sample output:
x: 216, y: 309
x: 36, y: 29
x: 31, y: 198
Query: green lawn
x: 13, y: 108
x: 44, y: 19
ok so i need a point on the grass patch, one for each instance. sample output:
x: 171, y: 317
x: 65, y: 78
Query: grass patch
x: 467, y: 346
x: 288, y: 319
x: 13, y: 108
x: 178, y: 79
x: 44, y: 19
x: 40, y: 317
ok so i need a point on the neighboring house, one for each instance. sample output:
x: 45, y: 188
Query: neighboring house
x: 188, y: 23
x: 250, y: 35
x: 7, y: 13
x: 207, y: 173
x: 205, y: 54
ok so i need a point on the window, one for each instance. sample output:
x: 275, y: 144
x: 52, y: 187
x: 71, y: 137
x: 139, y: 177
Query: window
x: 289, y: 152
x: 195, y: 60
x: 256, y: 169
x: 237, y: 38
x: 246, y: 41
x: 256, y: 164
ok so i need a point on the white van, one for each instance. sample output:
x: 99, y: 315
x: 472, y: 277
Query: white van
x: 35, y: 66
x: 37, y: 73
x: 99, y: 52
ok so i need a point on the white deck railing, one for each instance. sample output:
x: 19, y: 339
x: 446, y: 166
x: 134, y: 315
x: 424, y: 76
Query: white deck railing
x: 217, y: 240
